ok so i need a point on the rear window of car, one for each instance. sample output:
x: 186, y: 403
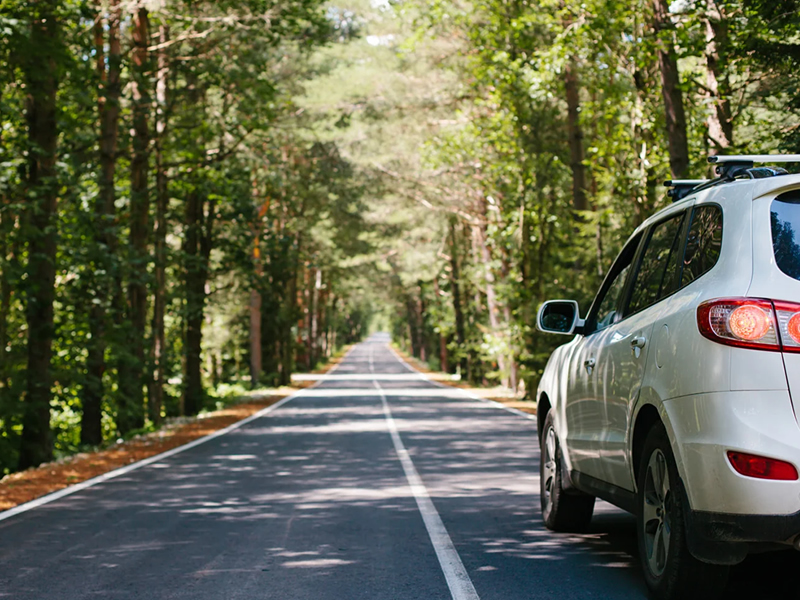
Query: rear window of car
x: 785, y: 213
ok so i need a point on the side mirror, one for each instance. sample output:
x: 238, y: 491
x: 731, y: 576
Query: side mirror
x: 559, y: 316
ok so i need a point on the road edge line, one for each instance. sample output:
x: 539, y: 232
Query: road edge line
x: 79, y: 487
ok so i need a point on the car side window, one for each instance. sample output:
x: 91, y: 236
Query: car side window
x: 607, y: 304
x: 658, y: 269
x: 704, y: 243
x: 608, y: 313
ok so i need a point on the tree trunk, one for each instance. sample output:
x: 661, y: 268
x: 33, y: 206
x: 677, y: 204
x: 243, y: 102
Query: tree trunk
x: 491, y: 296
x: 575, y: 134
x: 290, y: 308
x: 158, y: 349
x: 5, y: 295
x: 199, y: 236
x: 132, y: 374
x: 41, y: 75
x: 255, y: 335
x: 443, y: 362
x: 671, y: 90
x: 412, y: 320
x: 421, y: 334
x: 644, y: 204
x: 105, y: 240
x: 455, y: 289
x: 720, y: 124
x: 314, y: 285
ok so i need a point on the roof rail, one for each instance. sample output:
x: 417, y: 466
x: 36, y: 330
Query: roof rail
x: 731, y: 166
x: 682, y: 187
x: 755, y: 158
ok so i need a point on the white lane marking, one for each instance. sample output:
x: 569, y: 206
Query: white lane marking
x: 78, y: 487
x: 461, y: 587
x: 464, y: 393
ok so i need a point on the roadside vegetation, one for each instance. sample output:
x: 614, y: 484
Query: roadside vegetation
x: 202, y: 197
x: 166, y: 226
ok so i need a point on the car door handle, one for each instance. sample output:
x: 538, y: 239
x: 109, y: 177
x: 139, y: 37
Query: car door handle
x: 638, y: 342
x: 589, y: 363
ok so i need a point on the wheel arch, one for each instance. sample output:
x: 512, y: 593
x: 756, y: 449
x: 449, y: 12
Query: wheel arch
x: 646, y: 418
x: 543, y: 407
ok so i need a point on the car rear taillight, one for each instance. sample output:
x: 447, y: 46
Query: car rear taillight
x: 762, y: 467
x: 789, y: 325
x: 751, y: 323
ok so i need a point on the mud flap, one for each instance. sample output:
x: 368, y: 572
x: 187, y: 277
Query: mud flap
x: 705, y: 549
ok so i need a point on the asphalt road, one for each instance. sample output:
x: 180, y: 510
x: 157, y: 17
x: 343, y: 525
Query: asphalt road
x: 375, y: 484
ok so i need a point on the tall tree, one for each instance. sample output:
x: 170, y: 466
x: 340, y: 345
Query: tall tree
x: 717, y: 51
x: 41, y: 68
x: 575, y: 133
x: 131, y: 372
x: 677, y: 138
x: 155, y: 400
x: 105, y: 277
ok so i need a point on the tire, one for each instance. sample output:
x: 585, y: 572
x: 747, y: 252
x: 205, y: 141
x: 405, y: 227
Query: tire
x: 670, y: 570
x: 567, y: 511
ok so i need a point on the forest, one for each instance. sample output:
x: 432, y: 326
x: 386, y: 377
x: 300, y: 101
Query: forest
x: 198, y: 197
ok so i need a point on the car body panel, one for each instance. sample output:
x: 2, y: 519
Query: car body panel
x: 711, y: 397
x: 703, y: 427
x: 617, y: 381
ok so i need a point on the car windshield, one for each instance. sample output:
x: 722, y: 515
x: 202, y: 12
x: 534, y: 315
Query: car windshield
x: 785, y: 215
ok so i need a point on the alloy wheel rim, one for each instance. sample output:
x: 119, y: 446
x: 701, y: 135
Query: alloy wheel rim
x: 549, y: 462
x: 657, y: 513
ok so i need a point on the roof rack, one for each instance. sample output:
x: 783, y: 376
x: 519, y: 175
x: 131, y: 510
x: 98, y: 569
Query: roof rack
x: 731, y: 166
x: 682, y: 187
x: 734, y: 166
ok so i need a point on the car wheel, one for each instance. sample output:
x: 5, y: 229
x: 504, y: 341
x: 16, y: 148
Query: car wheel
x: 670, y: 570
x: 562, y: 510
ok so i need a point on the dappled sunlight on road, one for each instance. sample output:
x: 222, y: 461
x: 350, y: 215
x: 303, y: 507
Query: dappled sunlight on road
x: 316, y: 492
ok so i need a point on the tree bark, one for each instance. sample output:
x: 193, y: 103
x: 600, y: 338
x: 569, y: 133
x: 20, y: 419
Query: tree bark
x: 200, y: 218
x: 290, y: 316
x: 5, y: 295
x: 720, y: 123
x: 455, y: 289
x: 255, y: 328
x: 411, y: 320
x: 105, y: 240
x: 316, y: 289
x: 200, y: 221
x: 575, y: 134
x: 131, y: 414
x: 421, y: 334
x: 670, y: 88
x: 443, y: 358
x: 41, y: 74
x: 155, y: 400
x: 491, y: 296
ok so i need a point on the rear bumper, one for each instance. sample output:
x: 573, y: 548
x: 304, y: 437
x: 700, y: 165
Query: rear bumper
x: 726, y: 527
x: 726, y: 539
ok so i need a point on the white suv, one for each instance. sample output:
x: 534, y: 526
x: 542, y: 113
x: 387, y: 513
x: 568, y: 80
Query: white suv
x: 678, y: 397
